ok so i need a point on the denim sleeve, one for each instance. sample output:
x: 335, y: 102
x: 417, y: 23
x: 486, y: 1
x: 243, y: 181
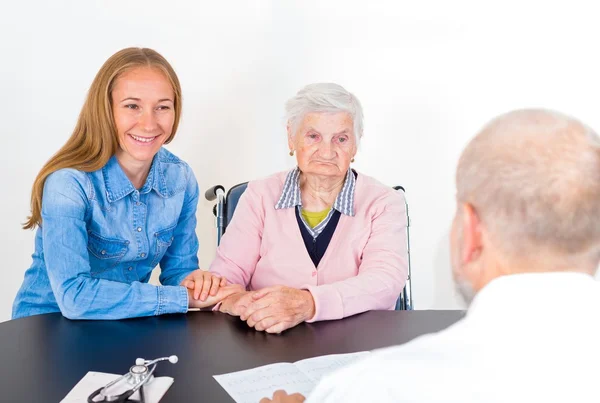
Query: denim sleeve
x: 80, y: 296
x: 181, y: 257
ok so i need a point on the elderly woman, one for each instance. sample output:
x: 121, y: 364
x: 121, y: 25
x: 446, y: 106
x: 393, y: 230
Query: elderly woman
x: 321, y: 241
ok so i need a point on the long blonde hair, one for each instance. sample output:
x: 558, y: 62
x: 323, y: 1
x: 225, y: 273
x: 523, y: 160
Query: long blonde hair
x: 94, y: 140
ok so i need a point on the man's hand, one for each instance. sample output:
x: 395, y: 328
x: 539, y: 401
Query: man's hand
x: 236, y: 304
x: 278, y: 308
x: 203, y: 283
x: 223, y: 293
x: 281, y: 396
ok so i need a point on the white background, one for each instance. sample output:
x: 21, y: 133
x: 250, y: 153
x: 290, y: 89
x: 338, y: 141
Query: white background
x: 429, y: 75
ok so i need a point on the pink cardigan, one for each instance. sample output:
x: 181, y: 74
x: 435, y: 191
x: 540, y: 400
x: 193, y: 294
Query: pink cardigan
x: 364, y: 266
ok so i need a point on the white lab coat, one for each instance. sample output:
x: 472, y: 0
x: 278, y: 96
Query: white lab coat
x: 525, y: 338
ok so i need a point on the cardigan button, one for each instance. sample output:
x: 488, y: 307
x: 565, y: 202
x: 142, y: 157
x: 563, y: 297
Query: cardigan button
x: 314, y: 273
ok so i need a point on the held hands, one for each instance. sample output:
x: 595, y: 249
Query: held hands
x: 203, y: 283
x: 206, y: 289
x: 223, y: 293
x: 281, y: 396
x: 275, y: 309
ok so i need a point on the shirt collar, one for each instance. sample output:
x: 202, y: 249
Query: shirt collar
x: 118, y: 184
x: 290, y: 196
x: 529, y: 292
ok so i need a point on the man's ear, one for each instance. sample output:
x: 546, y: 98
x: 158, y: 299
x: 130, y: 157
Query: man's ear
x: 472, y: 238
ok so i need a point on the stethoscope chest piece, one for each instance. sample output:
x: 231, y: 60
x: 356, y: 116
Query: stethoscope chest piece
x: 138, y: 374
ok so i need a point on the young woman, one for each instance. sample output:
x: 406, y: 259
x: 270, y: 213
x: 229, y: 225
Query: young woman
x: 111, y: 204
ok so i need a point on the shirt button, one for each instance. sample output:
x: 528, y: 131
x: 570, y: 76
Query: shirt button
x: 130, y: 268
x: 138, y: 203
x: 103, y: 252
x: 142, y: 255
x: 139, y: 229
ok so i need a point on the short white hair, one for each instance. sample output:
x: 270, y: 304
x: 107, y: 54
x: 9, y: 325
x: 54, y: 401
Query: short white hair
x: 533, y: 176
x: 326, y: 98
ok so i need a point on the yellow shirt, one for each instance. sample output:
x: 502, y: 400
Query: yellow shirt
x: 313, y: 219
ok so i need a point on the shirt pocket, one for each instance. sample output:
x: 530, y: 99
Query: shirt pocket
x: 164, y: 239
x: 105, y: 253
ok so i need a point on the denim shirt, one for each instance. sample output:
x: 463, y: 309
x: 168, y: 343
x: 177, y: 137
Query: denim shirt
x: 100, y: 238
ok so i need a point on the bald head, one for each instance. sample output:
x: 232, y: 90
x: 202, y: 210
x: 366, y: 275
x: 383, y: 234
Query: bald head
x: 533, y: 177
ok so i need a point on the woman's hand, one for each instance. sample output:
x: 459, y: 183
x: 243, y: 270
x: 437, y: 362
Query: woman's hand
x: 278, y: 308
x: 223, y: 293
x: 203, y: 283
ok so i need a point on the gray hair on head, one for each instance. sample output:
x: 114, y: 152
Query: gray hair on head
x: 533, y: 176
x: 324, y: 98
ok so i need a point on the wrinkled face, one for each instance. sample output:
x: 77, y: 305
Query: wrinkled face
x: 324, y: 143
x: 143, y: 111
x: 460, y: 269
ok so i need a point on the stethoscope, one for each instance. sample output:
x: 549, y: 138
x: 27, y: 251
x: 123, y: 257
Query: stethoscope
x: 138, y: 375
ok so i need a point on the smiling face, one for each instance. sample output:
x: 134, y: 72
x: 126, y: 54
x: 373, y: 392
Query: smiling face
x: 143, y: 111
x: 324, y: 143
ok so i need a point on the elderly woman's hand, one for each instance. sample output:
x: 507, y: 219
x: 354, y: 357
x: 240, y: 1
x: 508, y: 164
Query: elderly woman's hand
x: 278, y: 308
x: 237, y: 303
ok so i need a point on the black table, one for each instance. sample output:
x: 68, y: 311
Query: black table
x: 44, y: 356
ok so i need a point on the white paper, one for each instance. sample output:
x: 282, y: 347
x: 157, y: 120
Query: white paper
x: 92, y: 381
x: 317, y: 367
x: 251, y: 385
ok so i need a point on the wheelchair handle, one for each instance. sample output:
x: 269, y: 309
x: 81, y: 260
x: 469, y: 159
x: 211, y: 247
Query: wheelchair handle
x: 212, y: 193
